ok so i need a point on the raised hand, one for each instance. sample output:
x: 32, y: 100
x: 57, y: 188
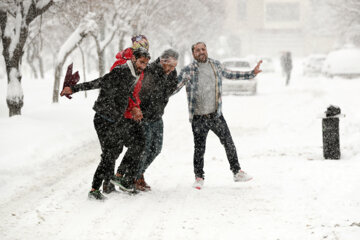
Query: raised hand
x: 70, y: 80
x: 257, y: 68
x: 66, y: 91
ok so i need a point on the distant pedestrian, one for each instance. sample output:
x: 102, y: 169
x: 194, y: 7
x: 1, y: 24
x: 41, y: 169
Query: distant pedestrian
x: 286, y: 65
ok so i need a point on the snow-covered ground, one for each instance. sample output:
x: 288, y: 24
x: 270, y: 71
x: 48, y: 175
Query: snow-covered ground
x: 49, y: 154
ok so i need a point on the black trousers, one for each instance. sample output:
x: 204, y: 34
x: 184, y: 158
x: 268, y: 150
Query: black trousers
x: 201, y: 125
x: 113, y: 136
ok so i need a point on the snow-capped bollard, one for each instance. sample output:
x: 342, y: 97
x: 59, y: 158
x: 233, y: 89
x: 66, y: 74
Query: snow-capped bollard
x: 331, y: 136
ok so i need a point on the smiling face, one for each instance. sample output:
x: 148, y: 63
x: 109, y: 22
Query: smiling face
x: 140, y: 64
x: 200, y: 52
x: 168, y: 65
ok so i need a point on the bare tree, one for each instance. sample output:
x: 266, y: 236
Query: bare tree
x: 339, y: 18
x: 347, y: 16
x: 33, y: 54
x: 15, y: 18
x: 179, y: 24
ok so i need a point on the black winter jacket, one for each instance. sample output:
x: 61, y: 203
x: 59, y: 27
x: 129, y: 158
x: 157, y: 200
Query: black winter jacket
x: 156, y: 89
x: 115, y: 89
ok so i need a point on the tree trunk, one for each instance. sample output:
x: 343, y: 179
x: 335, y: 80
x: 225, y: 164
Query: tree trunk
x: 57, y: 82
x: 30, y: 60
x: 58, y: 70
x: 15, y: 96
x: 41, y: 66
x: 84, y: 68
x: 121, y: 41
x: 100, y: 51
x: 101, y: 62
x: 100, y: 55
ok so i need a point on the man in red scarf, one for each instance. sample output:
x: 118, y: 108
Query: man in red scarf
x: 133, y: 111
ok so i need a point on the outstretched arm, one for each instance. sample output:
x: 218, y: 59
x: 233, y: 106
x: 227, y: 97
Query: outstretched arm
x: 182, y: 78
x: 101, y: 82
x: 95, y: 84
x: 241, y: 75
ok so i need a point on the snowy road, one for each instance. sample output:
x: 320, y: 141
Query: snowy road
x: 295, y: 194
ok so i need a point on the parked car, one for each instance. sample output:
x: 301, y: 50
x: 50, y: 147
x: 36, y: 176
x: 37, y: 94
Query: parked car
x: 238, y: 87
x: 313, y: 64
x: 343, y: 62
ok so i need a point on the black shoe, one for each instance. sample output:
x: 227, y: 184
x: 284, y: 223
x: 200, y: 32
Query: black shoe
x: 96, y: 194
x: 108, y: 187
x: 124, y: 185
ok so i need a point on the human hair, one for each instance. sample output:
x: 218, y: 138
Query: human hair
x: 170, y: 53
x: 141, y: 52
x: 193, y: 46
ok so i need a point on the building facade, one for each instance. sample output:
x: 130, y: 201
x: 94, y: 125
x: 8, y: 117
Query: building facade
x: 269, y: 27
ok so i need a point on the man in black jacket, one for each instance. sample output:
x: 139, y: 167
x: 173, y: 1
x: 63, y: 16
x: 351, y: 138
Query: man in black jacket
x: 159, y: 83
x: 113, y: 130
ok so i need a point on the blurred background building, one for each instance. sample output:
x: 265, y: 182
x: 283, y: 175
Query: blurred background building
x: 269, y: 27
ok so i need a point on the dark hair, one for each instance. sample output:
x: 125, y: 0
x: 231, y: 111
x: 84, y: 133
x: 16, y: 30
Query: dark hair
x: 169, y: 53
x: 141, y: 52
x: 193, y: 46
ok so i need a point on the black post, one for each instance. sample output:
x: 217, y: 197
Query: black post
x: 331, y: 138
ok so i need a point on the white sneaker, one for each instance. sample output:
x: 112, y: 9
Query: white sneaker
x: 242, y: 176
x: 199, y: 183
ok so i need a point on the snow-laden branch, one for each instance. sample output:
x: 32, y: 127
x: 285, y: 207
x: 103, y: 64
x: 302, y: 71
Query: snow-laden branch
x: 87, y: 25
x: 43, y: 4
x: 104, y: 43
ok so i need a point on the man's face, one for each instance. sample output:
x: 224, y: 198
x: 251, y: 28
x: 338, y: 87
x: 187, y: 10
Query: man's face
x: 200, y: 53
x: 140, y: 64
x: 168, y: 65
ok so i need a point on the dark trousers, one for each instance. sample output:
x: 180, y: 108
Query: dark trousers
x: 288, y: 76
x: 153, y: 143
x: 201, y: 125
x: 134, y: 140
x: 113, y: 136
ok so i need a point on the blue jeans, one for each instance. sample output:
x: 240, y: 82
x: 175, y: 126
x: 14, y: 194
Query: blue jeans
x: 153, y: 132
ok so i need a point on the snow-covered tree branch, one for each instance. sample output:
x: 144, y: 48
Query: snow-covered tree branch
x: 86, y: 26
